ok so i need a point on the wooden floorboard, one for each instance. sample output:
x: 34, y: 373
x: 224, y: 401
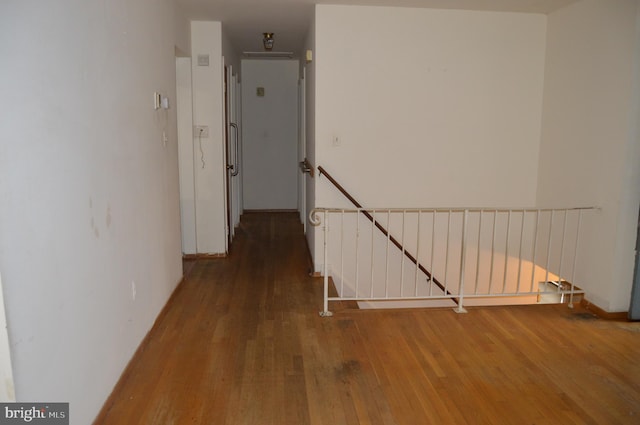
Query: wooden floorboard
x: 242, y: 343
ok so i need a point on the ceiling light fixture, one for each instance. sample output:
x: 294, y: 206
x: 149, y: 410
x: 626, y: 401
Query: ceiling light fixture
x: 267, y: 41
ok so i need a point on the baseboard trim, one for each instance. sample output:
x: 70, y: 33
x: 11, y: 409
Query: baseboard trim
x: 126, y: 373
x: 606, y: 315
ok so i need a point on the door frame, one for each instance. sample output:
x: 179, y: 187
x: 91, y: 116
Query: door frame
x: 228, y: 159
x: 231, y: 155
x: 302, y: 149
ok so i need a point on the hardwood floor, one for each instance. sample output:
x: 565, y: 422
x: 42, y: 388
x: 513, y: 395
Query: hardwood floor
x: 241, y: 342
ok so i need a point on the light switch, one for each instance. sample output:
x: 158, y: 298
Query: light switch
x: 157, y: 99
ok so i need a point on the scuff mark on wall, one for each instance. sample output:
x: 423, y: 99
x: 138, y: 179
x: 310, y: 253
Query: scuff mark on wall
x: 108, y: 216
x: 95, y: 229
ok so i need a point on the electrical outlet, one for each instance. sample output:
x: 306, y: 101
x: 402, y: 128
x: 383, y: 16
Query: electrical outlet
x: 201, y: 131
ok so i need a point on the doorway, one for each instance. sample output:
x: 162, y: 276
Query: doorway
x: 232, y: 153
x: 270, y: 134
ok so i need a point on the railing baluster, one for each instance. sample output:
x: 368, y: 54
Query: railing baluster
x: 325, y: 267
x: 342, y: 253
x: 493, y: 250
x: 524, y: 213
x: 575, y: 259
x: 546, y: 276
x: 386, y: 265
x: 506, y: 255
x: 403, y: 253
x: 564, y: 229
x: 475, y: 288
x: 357, y: 254
x: 446, y: 257
x: 463, y: 260
x: 373, y: 222
x: 433, y: 250
x: 415, y: 279
x: 535, y: 248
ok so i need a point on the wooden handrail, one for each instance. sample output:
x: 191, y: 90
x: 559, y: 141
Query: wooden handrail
x: 384, y: 231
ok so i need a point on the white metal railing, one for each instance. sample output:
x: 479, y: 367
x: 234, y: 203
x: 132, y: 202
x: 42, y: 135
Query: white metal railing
x: 464, y: 256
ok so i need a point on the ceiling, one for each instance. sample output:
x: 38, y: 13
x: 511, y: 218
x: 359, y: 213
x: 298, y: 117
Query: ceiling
x: 244, y: 21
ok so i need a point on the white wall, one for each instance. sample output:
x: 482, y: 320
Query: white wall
x: 89, y: 190
x: 440, y: 108
x: 436, y: 96
x: 589, y: 153
x: 208, y: 108
x: 270, y: 134
x: 200, y: 102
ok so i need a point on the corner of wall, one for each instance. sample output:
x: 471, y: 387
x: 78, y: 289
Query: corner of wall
x: 589, y: 45
x: 630, y: 196
x: 230, y: 53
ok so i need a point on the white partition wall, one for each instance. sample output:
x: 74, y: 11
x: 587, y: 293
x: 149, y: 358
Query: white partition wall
x: 208, y: 161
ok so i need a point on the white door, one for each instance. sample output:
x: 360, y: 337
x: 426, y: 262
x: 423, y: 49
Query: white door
x: 270, y: 134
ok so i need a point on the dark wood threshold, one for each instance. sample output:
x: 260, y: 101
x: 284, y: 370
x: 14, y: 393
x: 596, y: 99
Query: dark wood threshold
x: 606, y: 315
x: 124, y: 377
x: 268, y: 211
x: 192, y: 257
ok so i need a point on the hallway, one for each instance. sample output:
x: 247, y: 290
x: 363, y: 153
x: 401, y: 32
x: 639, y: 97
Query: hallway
x: 241, y: 342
